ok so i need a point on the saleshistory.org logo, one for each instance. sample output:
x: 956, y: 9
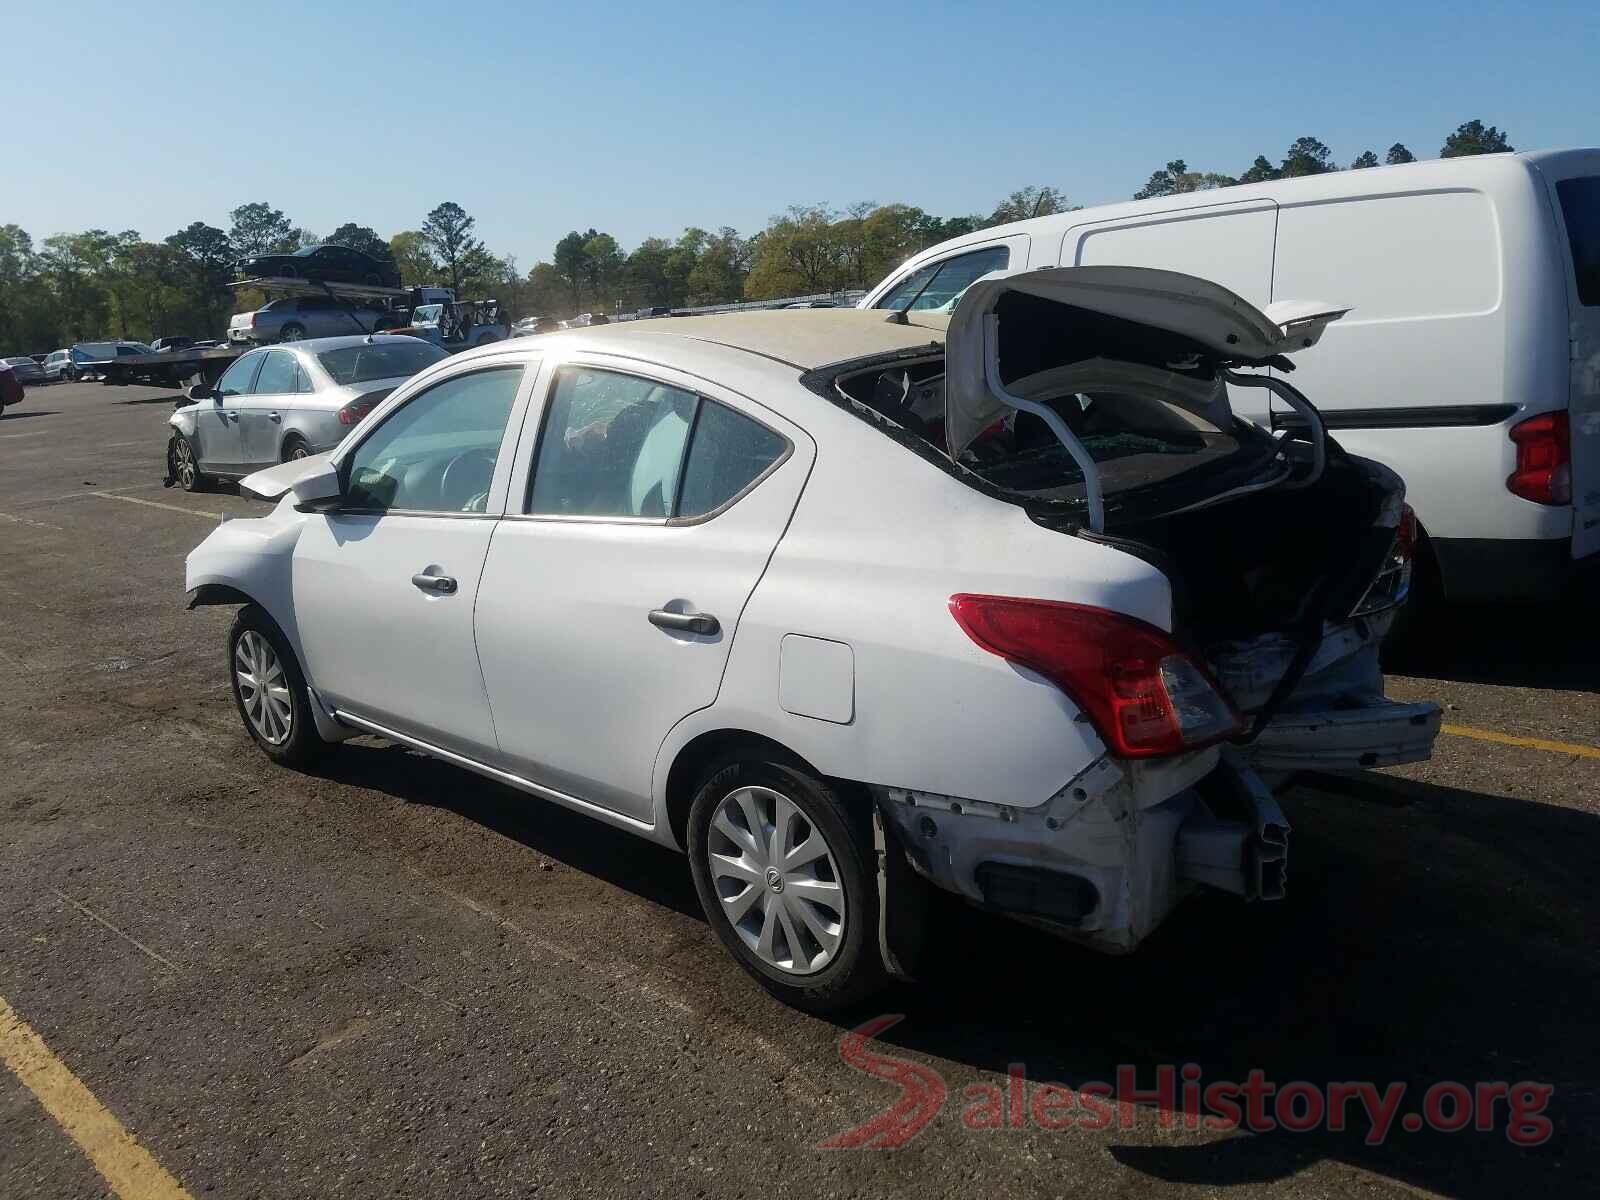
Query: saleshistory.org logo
x: 1180, y: 1096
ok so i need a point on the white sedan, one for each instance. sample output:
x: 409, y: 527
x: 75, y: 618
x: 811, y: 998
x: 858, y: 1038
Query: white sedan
x: 1005, y: 602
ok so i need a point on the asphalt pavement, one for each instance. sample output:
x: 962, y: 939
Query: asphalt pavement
x: 393, y: 978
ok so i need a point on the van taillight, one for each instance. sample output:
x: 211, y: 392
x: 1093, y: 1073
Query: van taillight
x: 352, y: 413
x: 1544, y: 459
x: 1144, y: 693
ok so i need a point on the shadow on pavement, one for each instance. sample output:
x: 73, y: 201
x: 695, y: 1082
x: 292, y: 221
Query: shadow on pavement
x: 169, y: 399
x: 1555, y: 645
x: 20, y: 416
x: 1430, y: 934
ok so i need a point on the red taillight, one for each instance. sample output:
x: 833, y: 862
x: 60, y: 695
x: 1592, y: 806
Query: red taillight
x: 1405, y: 535
x: 1145, y: 695
x: 352, y: 413
x: 1544, y: 459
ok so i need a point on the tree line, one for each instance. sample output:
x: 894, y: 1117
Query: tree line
x: 96, y: 284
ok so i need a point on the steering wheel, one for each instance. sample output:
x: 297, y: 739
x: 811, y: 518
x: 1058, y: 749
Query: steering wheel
x: 464, y: 485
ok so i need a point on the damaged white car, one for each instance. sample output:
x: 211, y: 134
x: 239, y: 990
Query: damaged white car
x: 1004, y: 601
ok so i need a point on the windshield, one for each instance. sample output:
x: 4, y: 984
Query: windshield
x: 93, y: 351
x: 427, y: 314
x: 379, y: 360
x: 19, y: 362
x: 304, y: 251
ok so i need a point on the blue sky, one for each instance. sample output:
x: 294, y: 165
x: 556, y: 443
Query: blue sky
x: 641, y: 119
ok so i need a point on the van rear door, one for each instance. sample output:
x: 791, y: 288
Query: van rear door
x: 1574, y: 181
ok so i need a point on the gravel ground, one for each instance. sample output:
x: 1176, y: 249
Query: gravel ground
x: 393, y: 978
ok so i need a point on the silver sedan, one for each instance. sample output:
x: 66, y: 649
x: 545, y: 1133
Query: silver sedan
x: 284, y: 402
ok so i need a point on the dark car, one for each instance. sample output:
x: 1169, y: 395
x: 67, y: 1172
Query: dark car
x: 322, y: 264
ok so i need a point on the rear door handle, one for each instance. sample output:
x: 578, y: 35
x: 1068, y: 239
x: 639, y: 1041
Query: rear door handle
x: 233, y: 416
x: 443, y: 585
x: 689, y: 622
x: 274, y: 417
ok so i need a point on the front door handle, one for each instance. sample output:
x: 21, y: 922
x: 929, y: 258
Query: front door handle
x: 689, y: 622
x: 442, y: 585
x: 233, y: 416
x: 274, y: 417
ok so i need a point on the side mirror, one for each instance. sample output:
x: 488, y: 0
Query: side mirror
x: 317, y: 488
x: 202, y: 391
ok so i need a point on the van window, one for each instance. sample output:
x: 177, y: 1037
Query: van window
x: 1429, y: 254
x: 938, y: 284
x: 1580, y: 207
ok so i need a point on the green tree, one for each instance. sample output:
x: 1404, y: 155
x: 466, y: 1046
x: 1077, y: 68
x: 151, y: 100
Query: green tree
x: 207, y: 258
x: 1472, y: 137
x: 1176, y: 179
x: 1306, y: 156
x: 1398, y: 154
x: 572, y: 260
x: 409, y: 251
x: 719, y: 271
x: 1364, y: 160
x: 799, y: 253
x: 448, y: 232
x: 1031, y: 201
x: 602, y: 268
x: 1260, y: 171
x: 258, y: 228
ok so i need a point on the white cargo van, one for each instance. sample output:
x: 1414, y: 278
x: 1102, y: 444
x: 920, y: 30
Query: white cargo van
x: 1470, y: 360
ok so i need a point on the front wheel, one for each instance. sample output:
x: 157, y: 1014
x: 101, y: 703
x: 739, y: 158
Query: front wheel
x: 186, y: 467
x: 783, y: 867
x: 270, y: 690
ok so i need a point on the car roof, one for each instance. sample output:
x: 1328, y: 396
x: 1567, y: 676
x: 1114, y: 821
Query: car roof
x: 800, y: 338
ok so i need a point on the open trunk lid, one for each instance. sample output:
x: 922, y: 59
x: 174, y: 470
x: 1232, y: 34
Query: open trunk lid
x: 1201, y: 319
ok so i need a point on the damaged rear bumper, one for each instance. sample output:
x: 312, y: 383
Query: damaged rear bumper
x: 1111, y: 854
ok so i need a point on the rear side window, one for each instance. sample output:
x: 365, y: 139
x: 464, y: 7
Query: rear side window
x: 1580, y: 207
x: 939, y: 284
x: 618, y: 445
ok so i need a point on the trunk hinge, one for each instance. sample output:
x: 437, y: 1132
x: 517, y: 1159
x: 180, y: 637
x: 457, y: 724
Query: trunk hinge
x: 1293, y: 398
x: 1068, y: 439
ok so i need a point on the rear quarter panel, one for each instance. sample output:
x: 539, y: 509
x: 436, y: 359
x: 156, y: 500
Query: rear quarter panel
x: 878, y: 544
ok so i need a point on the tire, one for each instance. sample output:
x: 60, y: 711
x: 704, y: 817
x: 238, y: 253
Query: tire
x: 1413, y: 639
x: 282, y: 725
x: 186, y: 467
x: 295, y: 447
x: 372, y: 280
x: 750, y: 788
x: 292, y: 332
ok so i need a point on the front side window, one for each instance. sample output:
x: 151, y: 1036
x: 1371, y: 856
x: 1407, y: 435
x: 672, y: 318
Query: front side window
x: 239, y: 379
x: 939, y: 285
x: 437, y: 453
x: 277, y: 374
x: 617, y: 445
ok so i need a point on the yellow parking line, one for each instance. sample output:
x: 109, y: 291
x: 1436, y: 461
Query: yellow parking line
x: 193, y: 512
x: 1509, y: 739
x: 128, y: 1167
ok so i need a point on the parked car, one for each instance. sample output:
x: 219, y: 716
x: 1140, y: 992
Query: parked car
x: 25, y: 370
x: 781, y: 588
x: 10, y: 389
x: 292, y: 318
x: 584, y: 320
x: 324, y: 264
x: 80, y: 361
x: 1468, y: 363
x: 271, y: 406
x: 531, y: 325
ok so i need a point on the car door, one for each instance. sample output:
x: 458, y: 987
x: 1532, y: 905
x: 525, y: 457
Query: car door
x: 262, y: 413
x: 384, y: 584
x: 611, y: 597
x: 217, y: 424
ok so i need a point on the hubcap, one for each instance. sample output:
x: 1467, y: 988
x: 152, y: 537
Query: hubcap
x: 298, y: 452
x: 777, y: 879
x: 291, y: 335
x: 263, y: 687
x: 185, y: 463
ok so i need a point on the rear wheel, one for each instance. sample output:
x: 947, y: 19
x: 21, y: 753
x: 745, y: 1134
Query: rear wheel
x: 784, y: 872
x: 270, y: 690
x: 292, y: 332
x: 295, y: 447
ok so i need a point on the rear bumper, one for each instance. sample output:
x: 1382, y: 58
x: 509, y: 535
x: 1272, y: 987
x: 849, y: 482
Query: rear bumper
x: 1476, y: 570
